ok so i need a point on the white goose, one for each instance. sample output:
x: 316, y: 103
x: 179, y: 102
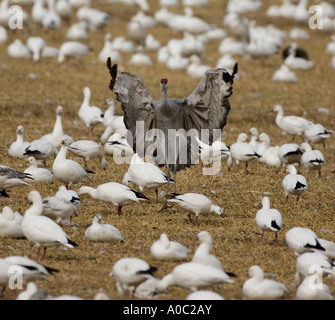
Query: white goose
x: 100, y: 231
x: 109, y: 51
x: 17, y: 49
x: 35, y: 46
x: 289, y: 153
x: 318, y: 291
x: 216, y: 152
x: 72, y: 49
x: 164, y: 249
x: 4, y: 275
x: 117, y: 194
x: 258, y: 287
x: 294, y: 62
x: 118, y: 147
x: 51, y: 19
x: 290, y: 124
x: 311, y: 159
x: 66, y: 170
x: 146, y: 175
x: 64, y: 204
x: 293, y: 183
x: 284, y: 74
x: 317, y: 133
x: 204, y: 295
x: 88, y: 149
x: 41, y: 149
x: 38, y: 11
x: 42, y: 230
x: 57, y: 134
x: 77, y: 31
x: 254, y: 135
x: 18, y: 147
x: 241, y: 151
x: 269, y: 154
x: 41, y: 175
x: 193, y: 276
x: 302, y: 240
x: 129, y: 273
x: 10, y: 223
x: 89, y: 115
x: 11, y: 178
x: 195, y: 203
x: 268, y: 219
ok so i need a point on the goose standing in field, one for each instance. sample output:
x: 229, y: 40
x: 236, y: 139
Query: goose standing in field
x: 118, y: 147
x: 38, y: 11
x: 146, y: 175
x: 129, y: 273
x: 195, y: 203
x: 35, y: 46
x: 241, y: 151
x: 294, y: 62
x: 268, y: 219
x: 10, y: 223
x: 18, y: 147
x: 66, y: 170
x: 64, y: 204
x: 302, y: 240
x: 309, y: 290
x: 290, y: 124
x: 100, y: 231
x: 309, y: 260
x: 202, y: 253
x: 284, y: 74
x: 117, y: 194
x: 88, y: 149
x: 293, y: 183
x: 11, y: 178
x: 42, y: 230
x: 311, y: 159
x: 317, y: 133
x: 57, y: 134
x: 41, y: 175
x: 77, y: 31
x: 258, y: 287
x: 96, y: 19
x: 17, y: 49
x: 41, y: 149
x: 64, y: 9
x: 51, y: 20
x: 193, y: 276
x: 72, y: 49
x: 164, y: 249
x: 254, y: 135
x: 269, y: 154
x: 289, y: 153
x: 89, y: 115
x: 109, y: 51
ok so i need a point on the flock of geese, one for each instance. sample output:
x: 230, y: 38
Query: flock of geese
x: 42, y: 222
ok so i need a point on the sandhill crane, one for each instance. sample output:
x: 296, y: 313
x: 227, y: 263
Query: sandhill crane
x: 150, y: 122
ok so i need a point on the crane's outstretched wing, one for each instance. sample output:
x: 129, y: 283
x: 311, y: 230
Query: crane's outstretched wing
x: 136, y: 103
x: 207, y: 107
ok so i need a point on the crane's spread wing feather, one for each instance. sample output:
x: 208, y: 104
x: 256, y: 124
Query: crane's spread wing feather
x: 136, y: 103
x: 207, y: 107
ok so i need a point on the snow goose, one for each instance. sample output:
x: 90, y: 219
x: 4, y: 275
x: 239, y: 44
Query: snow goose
x: 259, y: 48
x: 136, y: 32
x: 298, y: 52
x: 57, y: 134
x: 329, y: 246
x: 284, y: 74
x: 3, y: 35
x: 312, y: 288
x: 18, y: 50
x: 289, y: 153
x: 77, y: 31
x: 100, y: 231
x: 293, y: 183
x: 226, y: 61
x: 88, y: 149
x: 151, y: 43
x: 18, y: 147
x: 290, y: 124
x: 64, y: 204
x: 118, y: 147
x: 202, y: 253
x: 164, y: 249
x: 195, y: 68
x: 11, y: 178
x: 41, y: 149
x: 41, y: 175
x: 241, y: 151
x: 66, y: 170
x: 258, y: 287
x: 192, y: 24
x: 89, y: 115
x: 302, y: 240
x: 35, y: 46
x: 254, y: 135
x: 42, y: 230
x: 204, y: 295
x: 96, y: 19
x: 64, y: 9
x: 38, y: 11
x: 317, y: 133
x: 146, y: 175
x: 51, y: 19
x: 31, y: 270
x: 10, y: 223
x: 311, y: 159
x: 330, y: 49
x: 307, y: 262
x: 117, y: 194
x: 147, y: 289
x: 195, y: 203
x: 193, y: 276
x: 72, y: 49
x: 129, y: 273
x: 269, y: 154
x: 146, y: 20
x: 268, y: 219
x: 140, y: 59
x: 294, y: 62
x: 109, y: 51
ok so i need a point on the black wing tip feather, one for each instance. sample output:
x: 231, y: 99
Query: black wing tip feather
x: 3, y: 193
x: 72, y: 243
x: 150, y: 271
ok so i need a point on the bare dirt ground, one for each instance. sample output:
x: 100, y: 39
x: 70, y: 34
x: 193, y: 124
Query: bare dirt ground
x: 30, y: 93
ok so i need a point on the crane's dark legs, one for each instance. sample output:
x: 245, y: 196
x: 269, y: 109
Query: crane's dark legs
x: 165, y: 206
